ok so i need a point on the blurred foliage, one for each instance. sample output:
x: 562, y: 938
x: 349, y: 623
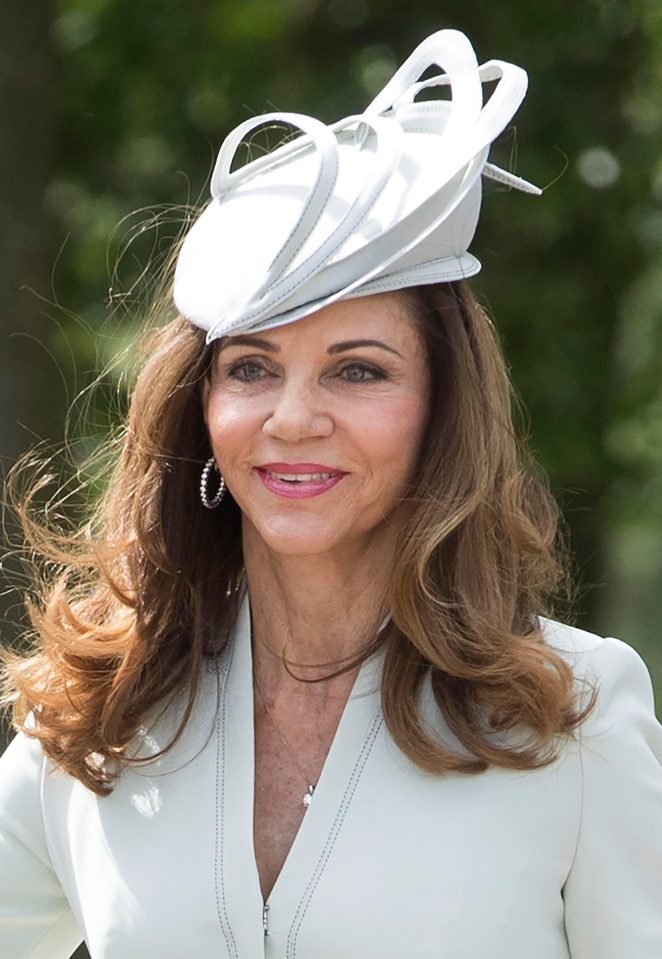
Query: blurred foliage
x: 145, y: 93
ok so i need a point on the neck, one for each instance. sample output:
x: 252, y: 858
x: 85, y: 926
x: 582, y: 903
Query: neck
x: 317, y: 610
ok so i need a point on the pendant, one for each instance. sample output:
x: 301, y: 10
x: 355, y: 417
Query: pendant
x: 307, y: 799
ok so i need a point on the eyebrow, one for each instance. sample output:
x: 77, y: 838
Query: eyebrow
x: 245, y: 340
x: 355, y: 344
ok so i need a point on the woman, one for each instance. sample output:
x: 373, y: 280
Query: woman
x: 293, y: 694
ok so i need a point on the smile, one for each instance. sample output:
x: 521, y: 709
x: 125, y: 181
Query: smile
x: 301, y: 477
x: 298, y: 485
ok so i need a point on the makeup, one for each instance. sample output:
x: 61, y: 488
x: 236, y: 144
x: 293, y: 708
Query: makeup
x: 298, y: 480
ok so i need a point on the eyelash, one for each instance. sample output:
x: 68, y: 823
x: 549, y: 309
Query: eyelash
x: 375, y: 373
x: 243, y: 365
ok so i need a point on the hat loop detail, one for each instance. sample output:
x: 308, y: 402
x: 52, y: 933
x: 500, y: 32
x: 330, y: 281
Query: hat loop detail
x: 384, y: 199
x: 279, y: 283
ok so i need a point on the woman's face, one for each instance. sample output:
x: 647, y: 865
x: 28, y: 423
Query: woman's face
x: 316, y: 425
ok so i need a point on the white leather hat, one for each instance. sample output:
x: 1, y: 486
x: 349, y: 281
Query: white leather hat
x: 383, y: 200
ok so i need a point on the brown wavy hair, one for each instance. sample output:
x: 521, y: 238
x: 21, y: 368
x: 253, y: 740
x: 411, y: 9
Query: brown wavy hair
x: 128, y: 605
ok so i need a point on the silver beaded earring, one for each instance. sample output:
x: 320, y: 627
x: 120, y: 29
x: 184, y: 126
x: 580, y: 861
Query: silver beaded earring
x: 204, y: 479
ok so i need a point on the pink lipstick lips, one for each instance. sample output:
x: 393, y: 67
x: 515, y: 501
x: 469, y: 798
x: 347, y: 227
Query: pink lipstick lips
x: 298, y: 480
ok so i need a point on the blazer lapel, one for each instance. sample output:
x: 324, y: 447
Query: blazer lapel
x: 240, y: 905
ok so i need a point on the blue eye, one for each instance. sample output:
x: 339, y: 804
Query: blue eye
x: 361, y: 373
x: 247, y: 370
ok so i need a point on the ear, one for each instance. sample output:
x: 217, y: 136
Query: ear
x: 205, y: 390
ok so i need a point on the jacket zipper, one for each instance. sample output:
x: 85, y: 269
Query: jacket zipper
x: 265, y: 919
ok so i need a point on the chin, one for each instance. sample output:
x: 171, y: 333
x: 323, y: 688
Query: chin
x: 302, y: 544
x: 300, y: 538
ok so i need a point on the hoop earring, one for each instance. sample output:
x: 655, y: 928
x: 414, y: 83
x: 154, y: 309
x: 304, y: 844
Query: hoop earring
x: 204, y: 479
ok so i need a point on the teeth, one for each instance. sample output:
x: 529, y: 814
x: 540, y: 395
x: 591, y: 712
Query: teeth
x: 302, y: 477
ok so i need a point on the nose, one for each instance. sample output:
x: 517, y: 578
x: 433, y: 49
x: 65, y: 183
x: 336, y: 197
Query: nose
x: 299, y: 413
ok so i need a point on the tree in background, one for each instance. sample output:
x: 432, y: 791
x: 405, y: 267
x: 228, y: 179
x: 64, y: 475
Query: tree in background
x: 32, y: 398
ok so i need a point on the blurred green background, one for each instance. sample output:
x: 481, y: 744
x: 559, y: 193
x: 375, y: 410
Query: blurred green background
x: 112, y: 112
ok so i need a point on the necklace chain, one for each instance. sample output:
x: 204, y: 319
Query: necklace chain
x: 308, y: 795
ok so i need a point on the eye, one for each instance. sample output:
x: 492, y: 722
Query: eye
x: 247, y: 371
x: 361, y: 373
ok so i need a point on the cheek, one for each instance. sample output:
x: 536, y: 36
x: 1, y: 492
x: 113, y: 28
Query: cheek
x: 392, y: 434
x: 231, y: 425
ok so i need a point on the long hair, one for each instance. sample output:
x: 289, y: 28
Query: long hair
x: 126, y: 607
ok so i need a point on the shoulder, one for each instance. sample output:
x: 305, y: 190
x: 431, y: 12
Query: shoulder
x: 21, y: 764
x: 618, y: 846
x: 594, y: 657
x: 21, y: 778
x: 625, y: 699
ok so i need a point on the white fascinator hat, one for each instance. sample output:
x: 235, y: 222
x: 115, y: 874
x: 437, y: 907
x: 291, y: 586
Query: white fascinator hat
x: 383, y: 200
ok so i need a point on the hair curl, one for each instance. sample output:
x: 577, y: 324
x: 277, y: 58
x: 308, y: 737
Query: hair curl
x: 130, y: 603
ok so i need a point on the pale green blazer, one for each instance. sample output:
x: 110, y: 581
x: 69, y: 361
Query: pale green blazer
x: 390, y: 862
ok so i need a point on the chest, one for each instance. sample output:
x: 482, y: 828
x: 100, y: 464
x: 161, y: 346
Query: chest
x: 284, y: 769
x: 386, y: 861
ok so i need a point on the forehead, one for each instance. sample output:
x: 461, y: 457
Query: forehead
x: 387, y: 317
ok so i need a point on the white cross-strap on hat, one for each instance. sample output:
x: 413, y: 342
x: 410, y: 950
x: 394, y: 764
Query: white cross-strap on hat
x: 383, y: 200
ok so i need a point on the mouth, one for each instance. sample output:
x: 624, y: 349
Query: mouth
x: 295, y: 478
x: 295, y: 481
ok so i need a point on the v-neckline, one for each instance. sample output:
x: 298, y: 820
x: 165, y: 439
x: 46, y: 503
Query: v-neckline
x: 235, y: 859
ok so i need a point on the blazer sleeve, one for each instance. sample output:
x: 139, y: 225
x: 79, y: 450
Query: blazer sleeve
x: 613, y: 893
x: 35, y: 919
